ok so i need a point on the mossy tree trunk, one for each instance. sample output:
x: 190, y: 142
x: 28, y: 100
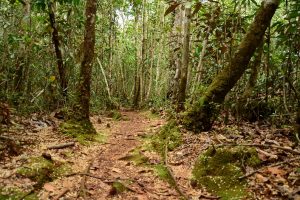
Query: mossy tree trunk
x: 201, y: 115
x: 82, y: 112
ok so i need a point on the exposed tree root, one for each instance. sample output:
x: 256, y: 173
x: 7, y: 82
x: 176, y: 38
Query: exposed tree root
x: 65, y: 191
x: 61, y: 146
x: 83, y: 181
x: 184, y: 196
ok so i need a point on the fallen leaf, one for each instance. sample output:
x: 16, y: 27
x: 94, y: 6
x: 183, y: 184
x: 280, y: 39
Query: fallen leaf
x: 116, y: 170
x: 276, y: 171
x: 49, y: 187
x: 260, y: 178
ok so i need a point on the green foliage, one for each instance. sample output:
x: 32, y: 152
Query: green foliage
x: 42, y: 4
x: 219, y: 170
x: 255, y: 110
x: 152, y: 114
x: 114, y: 114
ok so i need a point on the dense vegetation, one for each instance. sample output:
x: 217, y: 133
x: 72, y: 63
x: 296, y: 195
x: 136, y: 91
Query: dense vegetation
x: 144, y: 53
x: 196, y: 62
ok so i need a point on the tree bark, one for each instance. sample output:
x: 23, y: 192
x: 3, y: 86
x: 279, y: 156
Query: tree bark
x: 137, y: 85
x: 201, y: 115
x: 87, y: 61
x: 254, y: 72
x: 57, y: 47
x: 185, y: 59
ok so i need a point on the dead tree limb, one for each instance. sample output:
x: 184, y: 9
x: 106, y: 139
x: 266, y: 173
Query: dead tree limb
x: 62, y: 193
x: 61, y: 146
x: 273, y: 165
x: 170, y: 172
x: 83, y: 180
x: 264, y: 146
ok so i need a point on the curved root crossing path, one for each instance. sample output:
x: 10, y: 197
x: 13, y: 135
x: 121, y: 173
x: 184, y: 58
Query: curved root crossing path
x: 140, y: 181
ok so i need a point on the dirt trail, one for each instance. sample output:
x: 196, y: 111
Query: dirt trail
x: 141, y: 181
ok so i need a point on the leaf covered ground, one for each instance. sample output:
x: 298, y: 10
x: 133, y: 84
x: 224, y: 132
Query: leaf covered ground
x: 128, y: 160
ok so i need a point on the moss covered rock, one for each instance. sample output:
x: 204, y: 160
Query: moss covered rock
x: 42, y: 170
x: 170, y: 134
x: 219, y: 171
x: 16, y: 194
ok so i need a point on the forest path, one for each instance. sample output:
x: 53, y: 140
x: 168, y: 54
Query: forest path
x: 140, y: 181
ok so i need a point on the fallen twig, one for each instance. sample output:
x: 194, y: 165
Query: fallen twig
x: 85, y: 174
x: 5, y: 138
x: 171, y: 173
x: 83, y: 180
x: 263, y: 145
x: 63, y: 192
x: 272, y: 165
x: 272, y: 156
x: 27, y: 194
x: 208, y: 197
x: 61, y: 146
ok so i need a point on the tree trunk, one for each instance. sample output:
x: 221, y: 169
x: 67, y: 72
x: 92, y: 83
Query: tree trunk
x: 143, y: 53
x: 243, y: 108
x: 254, y: 72
x: 201, y: 115
x: 175, y: 61
x: 137, y: 91
x: 87, y: 61
x: 297, y: 126
x: 185, y: 59
x: 57, y: 47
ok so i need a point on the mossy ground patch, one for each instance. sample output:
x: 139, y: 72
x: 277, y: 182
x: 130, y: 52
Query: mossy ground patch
x: 82, y: 131
x: 169, y: 135
x: 41, y: 170
x: 16, y: 194
x: 219, y: 171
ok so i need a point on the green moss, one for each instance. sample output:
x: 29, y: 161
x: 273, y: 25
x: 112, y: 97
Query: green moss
x: 15, y: 194
x: 115, y: 115
x: 61, y: 170
x: 219, y: 171
x: 201, y: 115
x: 37, y: 169
x: 82, y: 131
x: 42, y: 170
x: 163, y: 173
x: 170, y: 134
x: 136, y: 157
x: 151, y: 114
x: 100, y: 137
x: 119, y: 187
x: 74, y: 127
